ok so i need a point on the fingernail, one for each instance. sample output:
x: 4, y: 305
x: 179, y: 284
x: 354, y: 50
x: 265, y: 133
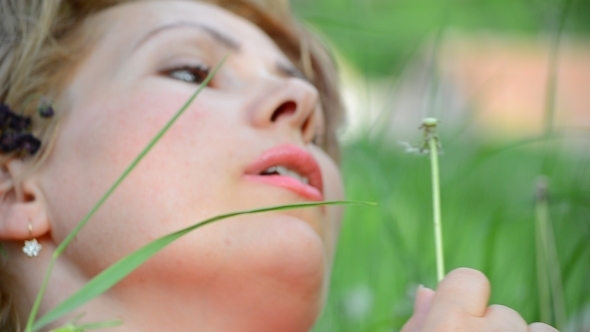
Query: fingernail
x: 421, y: 288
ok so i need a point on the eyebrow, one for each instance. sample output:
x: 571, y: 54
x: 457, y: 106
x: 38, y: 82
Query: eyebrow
x: 216, y: 34
x: 287, y: 69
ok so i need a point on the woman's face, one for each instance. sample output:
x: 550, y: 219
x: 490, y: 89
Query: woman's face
x: 245, y: 142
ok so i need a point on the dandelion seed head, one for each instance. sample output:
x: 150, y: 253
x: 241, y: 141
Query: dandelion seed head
x: 429, y: 122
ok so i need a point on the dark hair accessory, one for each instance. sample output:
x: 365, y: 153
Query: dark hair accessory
x: 44, y: 108
x: 15, y: 130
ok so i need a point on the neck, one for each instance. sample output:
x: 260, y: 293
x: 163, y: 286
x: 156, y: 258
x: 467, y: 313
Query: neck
x: 149, y: 301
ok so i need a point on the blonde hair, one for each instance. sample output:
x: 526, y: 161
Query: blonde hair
x: 41, y: 42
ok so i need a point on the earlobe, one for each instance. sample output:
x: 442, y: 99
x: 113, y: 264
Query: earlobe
x: 22, y: 202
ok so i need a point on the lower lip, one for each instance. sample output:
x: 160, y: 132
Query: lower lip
x: 289, y: 183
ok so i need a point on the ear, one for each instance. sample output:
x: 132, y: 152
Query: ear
x: 21, y: 202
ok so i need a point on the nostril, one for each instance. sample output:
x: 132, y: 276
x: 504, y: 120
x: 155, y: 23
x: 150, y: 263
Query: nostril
x: 286, y: 108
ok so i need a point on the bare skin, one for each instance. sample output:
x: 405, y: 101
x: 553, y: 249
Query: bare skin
x: 257, y: 273
x: 262, y: 272
x: 460, y: 303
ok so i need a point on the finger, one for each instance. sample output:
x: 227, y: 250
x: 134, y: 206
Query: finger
x: 421, y: 305
x: 462, y: 291
x: 505, y: 319
x: 423, y: 299
x: 540, y: 327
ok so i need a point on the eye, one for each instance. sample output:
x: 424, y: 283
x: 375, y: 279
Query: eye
x: 190, y: 74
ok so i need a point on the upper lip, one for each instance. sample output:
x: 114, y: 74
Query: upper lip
x: 291, y: 157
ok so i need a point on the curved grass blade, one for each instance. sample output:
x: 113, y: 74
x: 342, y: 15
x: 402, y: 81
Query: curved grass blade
x: 62, y: 246
x: 89, y: 326
x: 73, y: 326
x: 113, y: 274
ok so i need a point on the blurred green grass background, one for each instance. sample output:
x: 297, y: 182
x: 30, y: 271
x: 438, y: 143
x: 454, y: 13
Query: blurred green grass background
x: 380, y: 36
x: 488, y: 200
x: 488, y: 187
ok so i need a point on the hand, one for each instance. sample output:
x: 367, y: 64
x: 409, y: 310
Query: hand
x: 460, y: 303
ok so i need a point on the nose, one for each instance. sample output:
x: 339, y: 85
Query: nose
x: 287, y: 103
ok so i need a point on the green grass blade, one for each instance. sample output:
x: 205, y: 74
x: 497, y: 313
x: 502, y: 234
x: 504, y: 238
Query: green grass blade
x: 62, y: 246
x: 549, y: 269
x: 541, y: 255
x: 113, y: 274
x: 551, y: 92
x: 89, y: 326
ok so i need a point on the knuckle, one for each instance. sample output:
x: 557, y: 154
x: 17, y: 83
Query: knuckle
x: 452, y: 322
x: 507, y: 316
x: 498, y: 309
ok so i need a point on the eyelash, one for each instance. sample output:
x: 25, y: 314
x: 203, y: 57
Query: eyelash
x: 190, y: 74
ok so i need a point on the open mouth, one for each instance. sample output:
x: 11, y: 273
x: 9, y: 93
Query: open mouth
x: 285, y: 171
x: 290, y: 167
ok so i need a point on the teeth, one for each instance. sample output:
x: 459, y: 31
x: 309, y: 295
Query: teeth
x: 282, y: 170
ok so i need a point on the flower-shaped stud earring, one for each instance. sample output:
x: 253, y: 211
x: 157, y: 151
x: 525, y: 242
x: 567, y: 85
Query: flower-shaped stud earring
x: 32, y: 247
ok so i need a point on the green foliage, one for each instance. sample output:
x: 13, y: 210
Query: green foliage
x: 379, y: 36
x: 488, y: 208
x: 488, y: 192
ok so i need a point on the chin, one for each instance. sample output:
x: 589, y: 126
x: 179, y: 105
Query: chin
x: 258, y: 273
x: 277, y: 252
x: 289, y: 266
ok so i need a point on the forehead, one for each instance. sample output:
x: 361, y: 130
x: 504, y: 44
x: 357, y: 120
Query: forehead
x: 131, y: 23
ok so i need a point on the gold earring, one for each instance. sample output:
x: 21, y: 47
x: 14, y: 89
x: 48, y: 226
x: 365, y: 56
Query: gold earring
x: 32, y: 247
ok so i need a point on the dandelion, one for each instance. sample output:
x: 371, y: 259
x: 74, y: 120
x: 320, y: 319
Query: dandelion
x: 423, y: 147
x: 431, y: 144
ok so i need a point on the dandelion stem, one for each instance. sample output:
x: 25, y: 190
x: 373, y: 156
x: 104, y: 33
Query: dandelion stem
x: 440, y: 262
x: 432, y: 144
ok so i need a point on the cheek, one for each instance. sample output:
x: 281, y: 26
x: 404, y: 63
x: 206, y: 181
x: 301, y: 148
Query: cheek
x: 333, y: 191
x: 99, y: 140
x: 113, y: 132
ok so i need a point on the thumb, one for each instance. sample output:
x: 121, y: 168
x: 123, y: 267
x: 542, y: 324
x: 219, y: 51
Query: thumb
x: 421, y: 306
x: 464, y: 291
x: 461, y: 297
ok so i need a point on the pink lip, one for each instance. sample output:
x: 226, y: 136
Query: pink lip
x: 296, y: 159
